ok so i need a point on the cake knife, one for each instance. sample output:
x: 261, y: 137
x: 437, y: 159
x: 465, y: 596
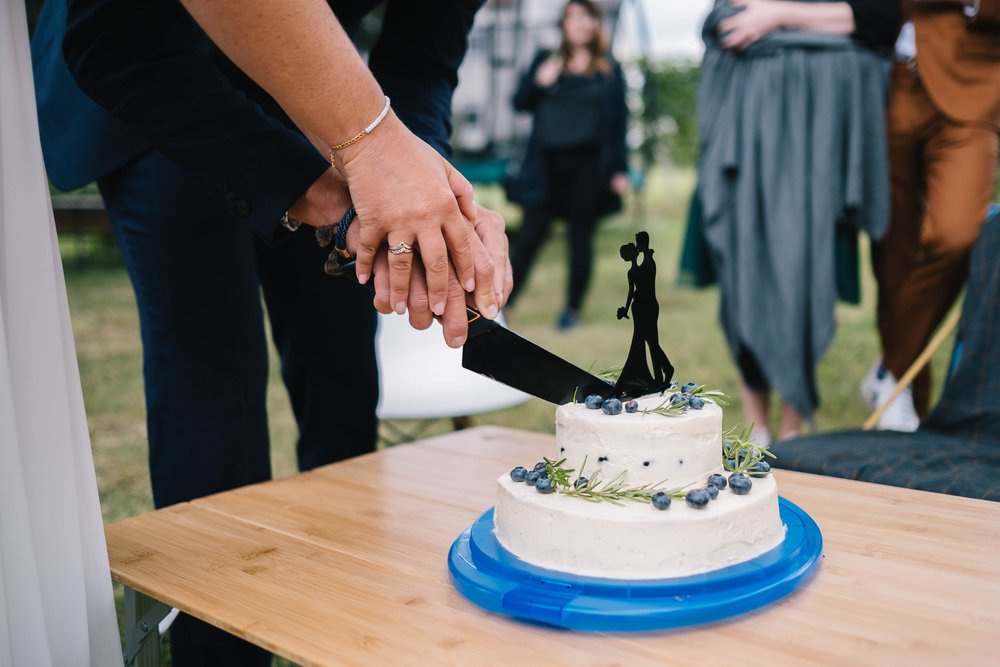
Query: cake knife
x: 498, y: 353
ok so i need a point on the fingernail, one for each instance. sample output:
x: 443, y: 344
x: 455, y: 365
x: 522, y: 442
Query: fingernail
x: 491, y: 312
x: 458, y: 342
x: 470, y: 285
x: 400, y: 307
x: 438, y: 308
x: 362, y: 278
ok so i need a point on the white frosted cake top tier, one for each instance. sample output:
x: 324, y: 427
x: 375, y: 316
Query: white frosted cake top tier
x: 649, y: 448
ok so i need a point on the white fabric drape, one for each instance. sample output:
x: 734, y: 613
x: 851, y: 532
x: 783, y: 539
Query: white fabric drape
x: 56, y: 603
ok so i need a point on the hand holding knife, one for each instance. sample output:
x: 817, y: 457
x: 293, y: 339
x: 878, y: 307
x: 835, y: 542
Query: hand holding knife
x: 498, y: 353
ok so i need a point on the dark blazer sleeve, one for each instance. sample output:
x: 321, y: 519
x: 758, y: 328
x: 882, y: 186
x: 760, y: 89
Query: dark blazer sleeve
x: 149, y: 64
x: 416, y: 61
x: 528, y: 92
x: 876, y: 22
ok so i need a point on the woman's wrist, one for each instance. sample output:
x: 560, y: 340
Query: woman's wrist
x: 372, y: 143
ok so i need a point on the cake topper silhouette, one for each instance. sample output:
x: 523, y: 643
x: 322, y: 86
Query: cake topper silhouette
x: 638, y: 378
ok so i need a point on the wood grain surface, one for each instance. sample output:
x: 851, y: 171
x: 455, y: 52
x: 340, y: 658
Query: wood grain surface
x: 347, y: 565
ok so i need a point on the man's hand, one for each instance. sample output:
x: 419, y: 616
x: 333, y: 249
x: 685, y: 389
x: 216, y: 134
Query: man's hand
x: 491, y: 240
x: 325, y: 202
x: 491, y: 230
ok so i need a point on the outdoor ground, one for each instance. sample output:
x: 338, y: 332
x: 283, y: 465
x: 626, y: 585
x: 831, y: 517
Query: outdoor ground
x: 107, y: 339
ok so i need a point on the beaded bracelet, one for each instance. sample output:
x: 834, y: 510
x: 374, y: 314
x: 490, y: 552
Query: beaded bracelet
x: 336, y: 234
x: 363, y: 133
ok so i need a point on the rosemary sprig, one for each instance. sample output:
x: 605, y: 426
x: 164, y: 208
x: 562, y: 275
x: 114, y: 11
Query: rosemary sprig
x: 739, y: 452
x: 668, y: 408
x: 557, y: 473
x: 597, y: 491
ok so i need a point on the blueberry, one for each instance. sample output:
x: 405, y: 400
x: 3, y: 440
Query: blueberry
x: 518, y: 473
x: 676, y: 398
x: 760, y: 469
x: 532, y: 478
x: 543, y: 473
x: 730, y: 464
x: 544, y: 485
x: 612, y: 406
x: 581, y: 482
x: 594, y: 401
x: 661, y: 501
x: 717, y: 480
x: 690, y: 386
x: 697, y: 498
x: 631, y: 406
x: 713, y: 491
x: 539, y: 466
x: 696, y: 403
x: 740, y: 484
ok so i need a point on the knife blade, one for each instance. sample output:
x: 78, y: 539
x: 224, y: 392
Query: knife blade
x: 498, y: 353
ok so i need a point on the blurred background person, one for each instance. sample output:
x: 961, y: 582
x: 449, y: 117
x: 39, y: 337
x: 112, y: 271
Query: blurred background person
x: 944, y: 115
x: 793, y: 144
x: 575, y: 163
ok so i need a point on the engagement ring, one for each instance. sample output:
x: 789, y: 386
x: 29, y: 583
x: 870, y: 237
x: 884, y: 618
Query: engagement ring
x: 401, y: 248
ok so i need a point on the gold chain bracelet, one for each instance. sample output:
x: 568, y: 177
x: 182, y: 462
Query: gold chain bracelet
x: 363, y: 133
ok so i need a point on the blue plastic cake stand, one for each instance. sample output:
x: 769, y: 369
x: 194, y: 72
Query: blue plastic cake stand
x: 498, y: 581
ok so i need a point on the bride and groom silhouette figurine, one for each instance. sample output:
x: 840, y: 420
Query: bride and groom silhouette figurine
x: 637, y: 377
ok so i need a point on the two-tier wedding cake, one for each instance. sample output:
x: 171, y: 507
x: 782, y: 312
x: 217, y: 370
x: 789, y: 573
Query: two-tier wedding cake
x: 648, y: 490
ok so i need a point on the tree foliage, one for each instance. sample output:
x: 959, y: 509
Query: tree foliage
x: 669, y: 112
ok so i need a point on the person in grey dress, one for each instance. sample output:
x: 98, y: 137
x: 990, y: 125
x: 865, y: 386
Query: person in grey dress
x: 793, y: 145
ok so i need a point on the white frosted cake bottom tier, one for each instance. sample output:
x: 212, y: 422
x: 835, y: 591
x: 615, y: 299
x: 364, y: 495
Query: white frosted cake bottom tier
x: 636, y: 540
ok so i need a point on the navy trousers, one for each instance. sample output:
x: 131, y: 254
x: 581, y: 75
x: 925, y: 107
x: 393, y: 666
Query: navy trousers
x: 198, y: 280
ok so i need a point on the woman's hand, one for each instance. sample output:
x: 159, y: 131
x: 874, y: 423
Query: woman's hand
x: 548, y: 72
x: 490, y: 228
x: 758, y: 19
x: 620, y: 183
x: 454, y: 321
x: 405, y: 193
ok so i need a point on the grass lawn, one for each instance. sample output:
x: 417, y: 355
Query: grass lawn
x: 107, y: 339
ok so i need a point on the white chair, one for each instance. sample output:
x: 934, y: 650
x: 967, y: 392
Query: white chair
x: 422, y: 379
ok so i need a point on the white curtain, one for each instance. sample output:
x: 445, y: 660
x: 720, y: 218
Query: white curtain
x: 56, y: 603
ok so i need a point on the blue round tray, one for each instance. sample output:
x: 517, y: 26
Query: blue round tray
x: 498, y: 581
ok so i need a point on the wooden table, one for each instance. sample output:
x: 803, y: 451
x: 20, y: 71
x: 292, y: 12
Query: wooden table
x: 346, y: 565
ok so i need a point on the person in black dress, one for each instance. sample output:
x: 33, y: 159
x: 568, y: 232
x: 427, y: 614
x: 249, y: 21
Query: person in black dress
x: 575, y: 164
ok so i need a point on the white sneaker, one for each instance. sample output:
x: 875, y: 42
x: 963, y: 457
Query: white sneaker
x: 900, y: 415
x: 871, y: 383
x: 876, y: 388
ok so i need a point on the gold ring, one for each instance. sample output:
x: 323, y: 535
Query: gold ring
x: 401, y: 248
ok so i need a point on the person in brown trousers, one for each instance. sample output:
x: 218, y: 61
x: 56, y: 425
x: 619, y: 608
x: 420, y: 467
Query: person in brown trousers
x: 943, y: 120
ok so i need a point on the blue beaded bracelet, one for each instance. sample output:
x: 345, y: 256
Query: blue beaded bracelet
x: 337, y: 234
x: 340, y: 236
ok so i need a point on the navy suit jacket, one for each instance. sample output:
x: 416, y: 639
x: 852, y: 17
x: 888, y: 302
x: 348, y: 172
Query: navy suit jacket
x: 80, y: 141
x: 158, y: 81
